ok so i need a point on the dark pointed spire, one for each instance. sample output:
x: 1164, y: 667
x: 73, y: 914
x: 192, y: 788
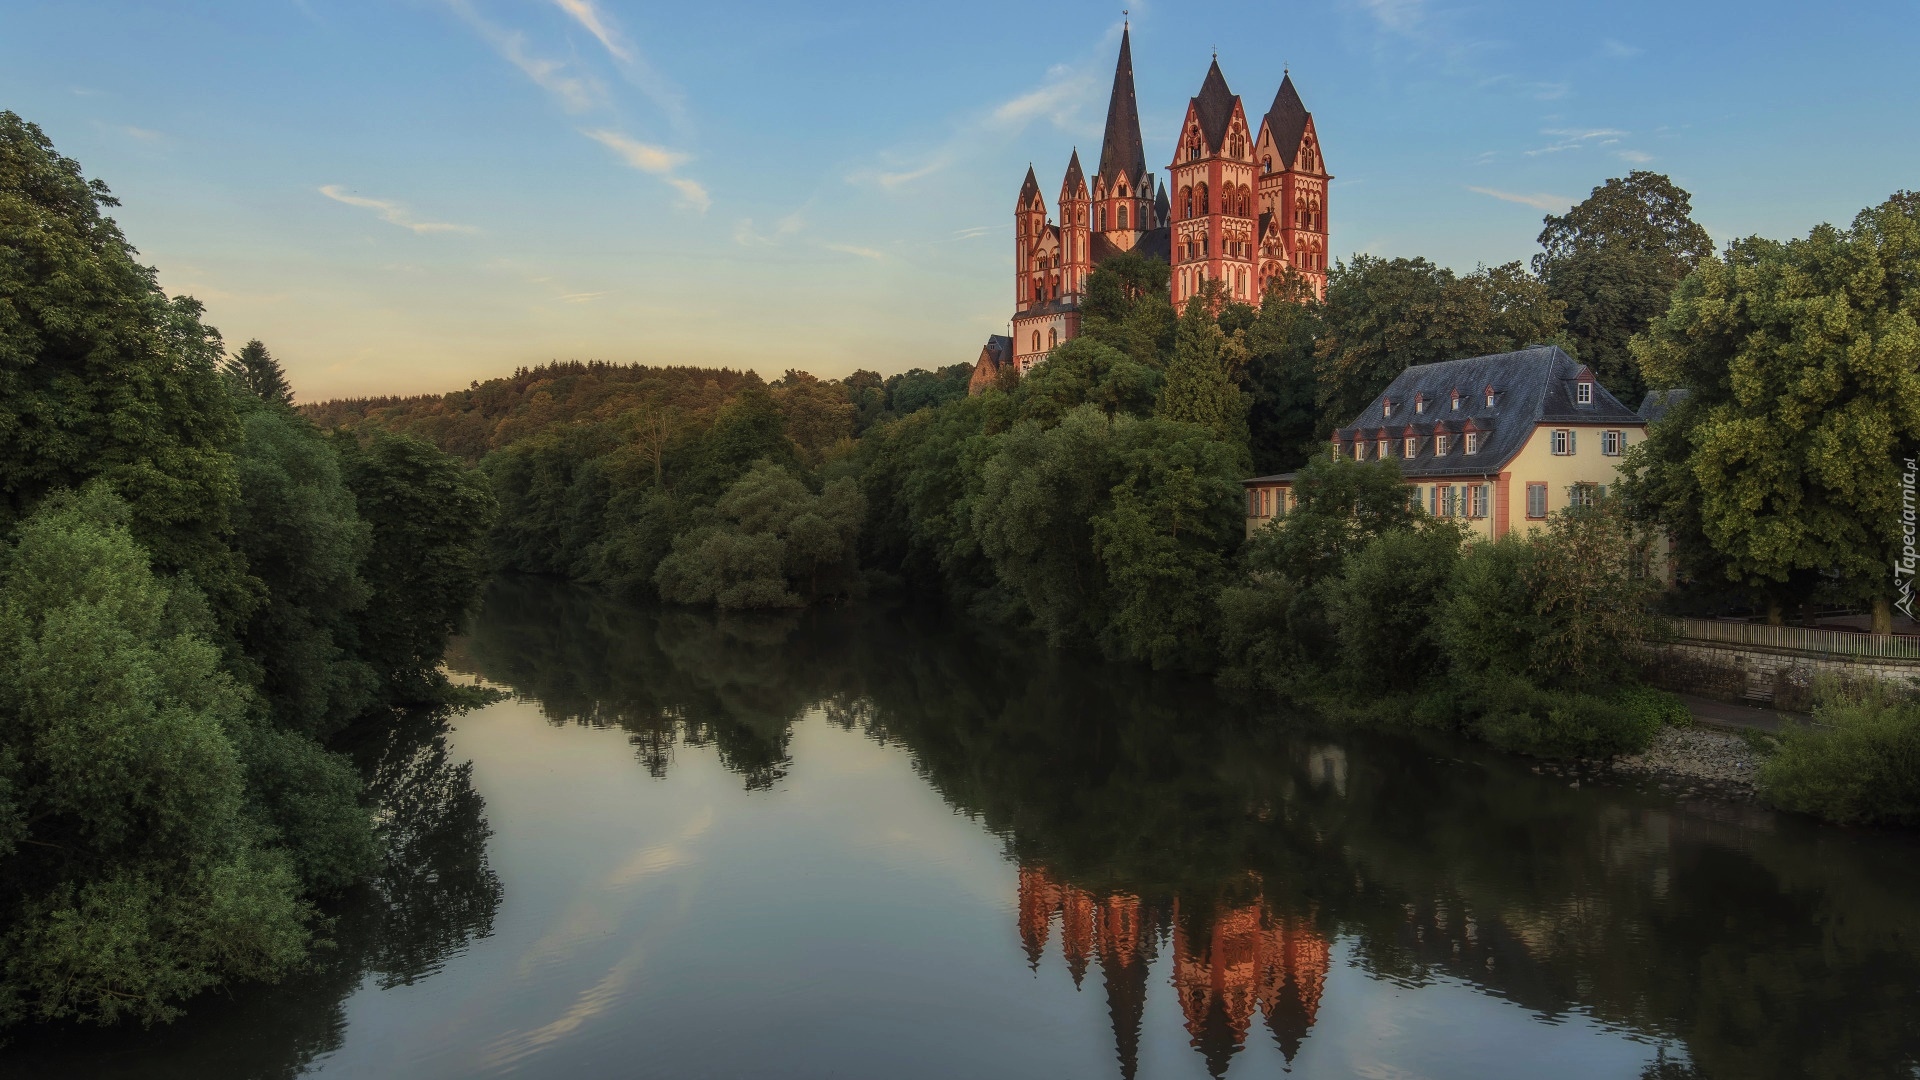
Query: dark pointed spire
x: 1121, y: 150
x: 1213, y: 105
x: 1076, y: 182
x: 1287, y: 120
x: 1029, y: 190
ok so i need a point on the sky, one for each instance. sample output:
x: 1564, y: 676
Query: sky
x: 403, y: 196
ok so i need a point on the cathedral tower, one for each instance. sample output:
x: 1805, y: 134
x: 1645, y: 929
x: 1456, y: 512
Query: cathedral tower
x: 1076, y: 260
x: 1214, y: 206
x: 1293, y: 192
x: 1123, y: 188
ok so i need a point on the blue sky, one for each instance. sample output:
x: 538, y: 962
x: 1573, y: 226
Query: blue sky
x: 403, y: 196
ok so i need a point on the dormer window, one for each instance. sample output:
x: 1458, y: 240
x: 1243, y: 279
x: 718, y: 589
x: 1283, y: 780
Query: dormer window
x: 1419, y: 403
x: 1386, y: 407
x: 1583, y: 392
x: 1456, y: 401
x: 1490, y: 396
x: 1440, y: 445
x: 1412, y: 446
x: 1471, y: 444
x: 1381, y: 450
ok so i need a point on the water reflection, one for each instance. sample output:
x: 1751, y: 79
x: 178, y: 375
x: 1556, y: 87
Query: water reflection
x: 1151, y: 818
x: 434, y: 894
x: 1229, y: 887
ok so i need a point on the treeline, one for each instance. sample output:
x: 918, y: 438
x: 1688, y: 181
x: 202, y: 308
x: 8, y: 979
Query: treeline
x: 200, y: 593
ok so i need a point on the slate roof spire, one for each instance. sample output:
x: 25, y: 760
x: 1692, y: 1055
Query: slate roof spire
x: 1121, y: 150
x: 1029, y: 190
x: 1076, y: 181
x: 1213, y: 105
x: 1287, y: 120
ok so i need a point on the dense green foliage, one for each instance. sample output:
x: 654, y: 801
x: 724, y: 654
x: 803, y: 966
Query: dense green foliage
x: 1857, y: 763
x: 1613, y: 260
x: 1780, y: 473
x: 188, y: 615
x: 768, y: 542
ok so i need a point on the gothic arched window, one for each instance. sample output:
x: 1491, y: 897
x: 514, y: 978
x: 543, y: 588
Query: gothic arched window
x: 1123, y: 219
x: 1053, y: 338
x: 1186, y: 202
x: 1200, y: 199
x: 1036, y: 341
x: 1100, y: 218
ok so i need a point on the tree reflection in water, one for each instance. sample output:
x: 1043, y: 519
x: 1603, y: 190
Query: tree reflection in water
x: 1147, y: 814
x: 434, y: 893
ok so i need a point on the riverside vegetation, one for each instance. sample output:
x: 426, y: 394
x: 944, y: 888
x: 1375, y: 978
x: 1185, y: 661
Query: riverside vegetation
x: 201, y: 596
x: 206, y: 588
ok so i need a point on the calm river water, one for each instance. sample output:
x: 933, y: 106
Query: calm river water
x: 863, y: 844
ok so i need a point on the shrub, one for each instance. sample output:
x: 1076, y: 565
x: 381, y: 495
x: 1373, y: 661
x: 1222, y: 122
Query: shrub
x: 1515, y: 715
x: 1655, y: 708
x: 1382, y: 605
x: 1858, y: 763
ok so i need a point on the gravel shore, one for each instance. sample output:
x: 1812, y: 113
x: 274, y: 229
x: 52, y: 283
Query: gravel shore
x: 1719, y: 758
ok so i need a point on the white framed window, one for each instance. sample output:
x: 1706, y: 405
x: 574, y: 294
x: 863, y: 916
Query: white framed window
x: 1613, y: 443
x: 1412, y: 446
x: 1583, y: 392
x: 1490, y: 396
x: 1583, y: 494
x: 1386, y: 407
x: 1471, y: 443
x: 1253, y: 502
x: 1456, y: 401
x: 1562, y: 442
x: 1419, y: 403
x: 1440, y: 445
x: 1380, y: 451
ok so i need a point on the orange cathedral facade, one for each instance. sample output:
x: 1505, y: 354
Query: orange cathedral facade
x: 1244, y: 203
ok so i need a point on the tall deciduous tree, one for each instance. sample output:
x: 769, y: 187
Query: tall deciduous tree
x: 1279, y: 374
x: 259, y: 372
x: 1127, y: 307
x: 1803, y: 359
x: 101, y: 375
x: 1385, y: 315
x: 1614, y: 260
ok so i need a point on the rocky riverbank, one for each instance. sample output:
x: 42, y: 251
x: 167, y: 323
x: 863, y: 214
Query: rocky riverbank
x: 1722, y: 760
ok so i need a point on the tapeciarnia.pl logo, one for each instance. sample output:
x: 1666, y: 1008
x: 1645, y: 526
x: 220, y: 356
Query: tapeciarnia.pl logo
x: 1904, y: 565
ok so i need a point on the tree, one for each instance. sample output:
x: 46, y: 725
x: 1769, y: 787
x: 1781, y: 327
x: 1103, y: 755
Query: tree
x: 819, y: 416
x: 256, y: 369
x: 101, y: 375
x: 1200, y: 387
x: 1127, y: 307
x: 1614, y: 260
x: 1382, y: 604
x: 1803, y: 359
x: 426, y: 560
x: 1279, y: 375
x: 768, y: 542
x: 1085, y: 371
x: 304, y: 542
x: 1383, y: 316
x: 136, y: 873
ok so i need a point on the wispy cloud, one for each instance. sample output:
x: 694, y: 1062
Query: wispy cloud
x: 746, y: 235
x: 1061, y: 99
x: 589, y: 16
x: 1635, y: 157
x: 862, y: 252
x: 1404, y: 17
x: 142, y: 134
x: 657, y: 160
x: 1539, y: 201
x: 576, y: 92
x: 972, y: 231
x: 581, y: 297
x: 392, y: 213
x: 1575, y: 138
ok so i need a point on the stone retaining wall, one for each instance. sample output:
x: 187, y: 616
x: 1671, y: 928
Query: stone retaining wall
x: 1782, y: 678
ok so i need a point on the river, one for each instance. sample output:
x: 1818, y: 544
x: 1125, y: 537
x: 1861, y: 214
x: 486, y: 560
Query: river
x: 866, y: 843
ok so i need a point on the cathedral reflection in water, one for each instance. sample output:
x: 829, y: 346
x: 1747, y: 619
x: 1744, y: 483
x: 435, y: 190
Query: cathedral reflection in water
x: 1229, y: 962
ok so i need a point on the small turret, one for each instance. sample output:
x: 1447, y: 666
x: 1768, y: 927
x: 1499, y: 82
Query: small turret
x: 1076, y: 258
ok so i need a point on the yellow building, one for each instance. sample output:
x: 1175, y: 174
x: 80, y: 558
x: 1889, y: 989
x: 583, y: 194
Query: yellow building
x: 1498, y: 442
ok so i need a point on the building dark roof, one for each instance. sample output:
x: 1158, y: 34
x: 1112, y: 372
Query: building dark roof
x: 1121, y: 150
x: 1162, y: 209
x: 1287, y: 120
x: 1076, y: 181
x: 1213, y: 106
x: 1029, y: 189
x: 1048, y: 307
x: 1657, y: 402
x: 1532, y: 386
x: 1154, y: 244
x: 1276, y: 478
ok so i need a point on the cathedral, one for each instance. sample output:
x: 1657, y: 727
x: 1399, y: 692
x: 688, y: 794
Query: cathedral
x: 1243, y: 204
